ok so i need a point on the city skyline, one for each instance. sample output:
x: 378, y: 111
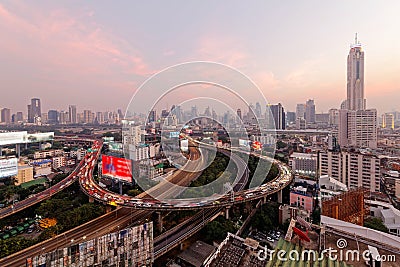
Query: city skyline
x: 82, y: 51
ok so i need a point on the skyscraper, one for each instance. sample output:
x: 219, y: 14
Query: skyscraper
x: 6, y: 115
x: 52, y: 116
x: 357, y: 125
x: 300, y: 111
x: 72, y: 114
x: 355, y: 78
x: 34, y: 110
x: 310, y: 111
x: 278, y: 113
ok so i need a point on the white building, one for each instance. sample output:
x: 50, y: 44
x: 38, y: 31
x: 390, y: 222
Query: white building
x: 131, y: 133
x: 137, y: 153
x: 303, y: 163
x: 59, y: 162
x: 48, y: 153
x: 390, y: 215
x: 354, y: 169
x: 330, y: 187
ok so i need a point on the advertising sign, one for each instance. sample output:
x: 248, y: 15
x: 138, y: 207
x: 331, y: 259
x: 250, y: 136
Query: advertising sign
x: 8, y: 167
x: 118, y: 168
x: 10, y: 138
x: 40, y: 137
x: 173, y: 134
x: 244, y: 143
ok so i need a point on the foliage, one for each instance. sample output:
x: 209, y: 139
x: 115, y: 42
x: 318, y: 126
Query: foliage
x: 376, y: 223
x: 266, y: 218
x: 218, y: 229
x: 13, y: 245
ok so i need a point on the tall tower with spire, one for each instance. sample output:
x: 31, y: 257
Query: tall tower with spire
x: 355, y: 77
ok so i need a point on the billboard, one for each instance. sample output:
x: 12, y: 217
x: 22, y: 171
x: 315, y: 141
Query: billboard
x: 118, y: 168
x: 244, y: 143
x: 8, y: 167
x: 173, y: 134
x: 40, y: 137
x: 10, y: 138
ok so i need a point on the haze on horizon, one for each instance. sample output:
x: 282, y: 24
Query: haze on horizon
x: 95, y: 54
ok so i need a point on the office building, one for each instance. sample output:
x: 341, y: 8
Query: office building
x: 355, y: 78
x: 357, y: 125
x: 34, y: 111
x: 88, y: 116
x: 354, y: 169
x: 19, y: 116
x: 358, y: 128
x: 334, y: 117
x: 290, y: 117
x: 388, y: 121
x: 6, y: 115
x: 279, y: 117
x: 310, y: 111
x: 72, y: 114
x: 131, y: 133
x: 52, y: 116
x: 300, y: 111
x: 152, y: 116
x: 303, y: 163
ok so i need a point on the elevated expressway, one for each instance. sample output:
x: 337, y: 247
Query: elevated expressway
x: 126, y: 215
x: 80, y: 170
x: 146, y: 202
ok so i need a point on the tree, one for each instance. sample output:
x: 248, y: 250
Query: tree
x: 376, y: 224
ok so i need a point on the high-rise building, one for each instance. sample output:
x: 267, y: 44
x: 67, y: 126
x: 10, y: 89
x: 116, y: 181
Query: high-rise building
x: 52, y: 116
x: 310, y: 111
x: 88, y: 116
x: 278, y: 114
x: 300, y: 111
x: 333, y: 117
x: 100, y: 117
x: 63, y: 117
x: 258, y: 110
x: 357, y: 125
x: 131, y: 134
x: 34, y: 110
x: 152, y: 116
x: 72, y: 114
x: 239, y: 114
x: 358, y: 128
x: 355, y: 78
x: 19, y: 116
x: 290, y: 117
x: 388, y: 121
x: 6, y: 115
x: 353, y: 169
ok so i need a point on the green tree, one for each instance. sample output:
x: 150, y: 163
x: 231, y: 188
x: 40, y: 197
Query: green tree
x: 375, y: 223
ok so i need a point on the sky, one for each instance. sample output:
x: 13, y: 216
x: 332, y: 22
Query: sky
x: 96, y: 54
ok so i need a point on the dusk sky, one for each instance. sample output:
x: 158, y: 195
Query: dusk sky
x: 95, y: 54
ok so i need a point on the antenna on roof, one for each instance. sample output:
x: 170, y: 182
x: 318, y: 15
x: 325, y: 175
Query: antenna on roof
x: 356, y: 39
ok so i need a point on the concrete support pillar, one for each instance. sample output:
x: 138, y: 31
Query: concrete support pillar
x: 160, y: 221
x: 227, y: 213
x: 91, y: 199
x: 18, y: 150
x: 264, y: 200
x: 181, y: 246
x: 280, y: 196
x: 108, y: 209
